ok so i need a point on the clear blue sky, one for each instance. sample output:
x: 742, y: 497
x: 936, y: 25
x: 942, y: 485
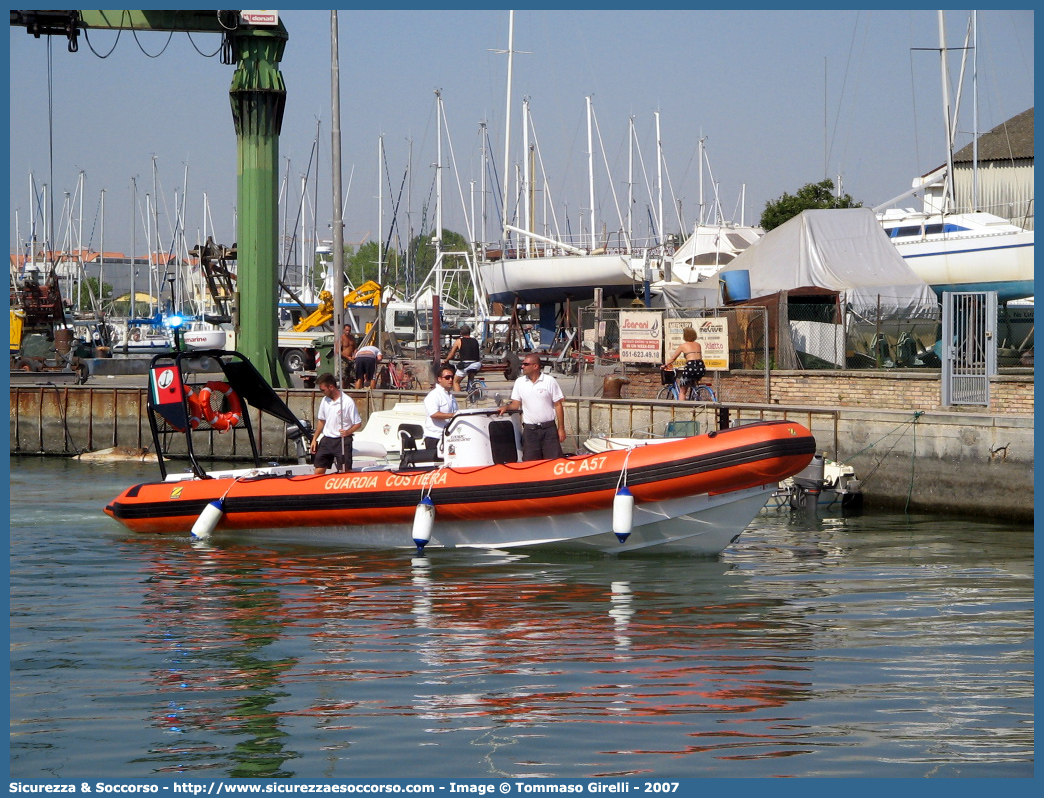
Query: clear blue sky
x: 750, y: 82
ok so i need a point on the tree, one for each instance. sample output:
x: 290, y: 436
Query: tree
x: 811, y: 196
x: 88, y: 293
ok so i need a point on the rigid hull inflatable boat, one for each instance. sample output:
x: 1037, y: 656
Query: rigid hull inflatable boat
x: 696, y: 494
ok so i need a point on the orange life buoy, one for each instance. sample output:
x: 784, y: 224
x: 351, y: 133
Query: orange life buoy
x: 219, y: 421
x: 196, y: 408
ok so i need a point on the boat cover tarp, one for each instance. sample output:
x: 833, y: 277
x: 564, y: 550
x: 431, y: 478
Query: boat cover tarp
x: 844, y: 250
x: 701, y: 294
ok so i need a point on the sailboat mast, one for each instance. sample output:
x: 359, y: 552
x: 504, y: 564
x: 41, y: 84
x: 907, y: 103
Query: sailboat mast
x: 590, y: 176
x: 507, y: 119
x: 380, y: 235
x: 134, y: 255
x: 482, y: 189
x: 437, y: 238
x: 659, y: 182
x: 101, y: 258
x: 975, y: 111
x: 527, y: 219
x: 630, y: 178
x: 948, y: 183
x: 338, y: 220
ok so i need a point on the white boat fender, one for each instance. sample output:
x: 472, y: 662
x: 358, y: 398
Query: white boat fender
x: 208, y: 519
x: 623, y: 513
x: 423, y: 521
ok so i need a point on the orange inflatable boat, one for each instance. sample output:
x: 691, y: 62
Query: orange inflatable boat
x: 695, y: 494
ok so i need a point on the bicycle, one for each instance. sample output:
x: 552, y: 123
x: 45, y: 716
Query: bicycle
x: 396, y: 376
x: 475, y: 389
x: 677, y: 388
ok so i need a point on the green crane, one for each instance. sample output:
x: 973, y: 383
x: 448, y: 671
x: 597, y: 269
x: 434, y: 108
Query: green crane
x: 258, y: 97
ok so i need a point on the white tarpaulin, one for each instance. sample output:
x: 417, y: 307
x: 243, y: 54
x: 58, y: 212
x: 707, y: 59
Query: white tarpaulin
x: 844, y: 250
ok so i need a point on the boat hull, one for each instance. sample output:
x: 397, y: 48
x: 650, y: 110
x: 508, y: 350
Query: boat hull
x: 696, y: 494
x: 985, y: 254
x: 554, y: 278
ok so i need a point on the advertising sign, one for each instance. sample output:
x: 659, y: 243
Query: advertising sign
x: 266, y: 18
x: 641, y: 336
x: 713, y: 335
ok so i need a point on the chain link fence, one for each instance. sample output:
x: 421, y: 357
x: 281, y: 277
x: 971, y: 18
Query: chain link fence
x: 734, y: 338
x: 755, y: 339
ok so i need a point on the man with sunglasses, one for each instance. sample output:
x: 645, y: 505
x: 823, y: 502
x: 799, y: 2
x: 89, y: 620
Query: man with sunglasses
x: 543, y: 414
x: 440, y: 405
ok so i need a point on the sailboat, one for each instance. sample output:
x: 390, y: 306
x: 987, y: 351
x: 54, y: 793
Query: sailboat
x: 958, y: 251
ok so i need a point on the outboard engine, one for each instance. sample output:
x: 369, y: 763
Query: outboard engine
x: 301, y: 435
x: 808, y: 484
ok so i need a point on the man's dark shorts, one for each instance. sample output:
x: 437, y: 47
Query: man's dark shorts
x: 328, y: 452
x: 365, y: 367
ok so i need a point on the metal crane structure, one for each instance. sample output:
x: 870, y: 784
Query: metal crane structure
x: 258, y: 97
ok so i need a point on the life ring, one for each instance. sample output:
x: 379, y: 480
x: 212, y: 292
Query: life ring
x: 216, y: 420
x: 196, y: 411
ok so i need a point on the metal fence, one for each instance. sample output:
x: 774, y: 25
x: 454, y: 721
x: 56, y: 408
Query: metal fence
x: 824, y: 338
x: 744, y: 344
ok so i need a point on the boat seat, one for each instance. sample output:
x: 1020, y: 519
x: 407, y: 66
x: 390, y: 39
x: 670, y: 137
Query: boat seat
x: 411, y: 456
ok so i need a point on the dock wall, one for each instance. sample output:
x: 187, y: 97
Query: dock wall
x: 932, y: 460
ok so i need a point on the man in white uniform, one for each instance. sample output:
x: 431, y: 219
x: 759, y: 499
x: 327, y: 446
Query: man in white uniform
x: 440, y: 405
x: 337, y: 419
x: 543, y: 415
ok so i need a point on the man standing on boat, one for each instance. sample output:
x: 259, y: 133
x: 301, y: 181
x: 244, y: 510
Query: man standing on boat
x: 468, y: 354
x: 336, y: 421
x: 543, y: 413
x: 440, y: 405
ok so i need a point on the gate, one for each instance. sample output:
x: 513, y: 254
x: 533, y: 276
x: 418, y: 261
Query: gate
x: 969, y: 347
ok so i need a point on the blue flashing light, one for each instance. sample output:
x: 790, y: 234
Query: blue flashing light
x: 174, y: 321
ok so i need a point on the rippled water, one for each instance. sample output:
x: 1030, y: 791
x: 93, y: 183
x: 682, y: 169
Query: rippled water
x: 886, y: 645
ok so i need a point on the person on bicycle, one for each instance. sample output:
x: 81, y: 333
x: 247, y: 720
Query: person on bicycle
x: 695, y: 368
x: 469, y: 358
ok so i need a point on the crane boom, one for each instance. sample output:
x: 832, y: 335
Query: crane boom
x: 258, y: 96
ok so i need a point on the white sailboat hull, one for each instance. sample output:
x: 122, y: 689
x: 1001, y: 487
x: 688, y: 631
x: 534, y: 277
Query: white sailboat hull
x: 1001, y: 262
x: 554, y: 278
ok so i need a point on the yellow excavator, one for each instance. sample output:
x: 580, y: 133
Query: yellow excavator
x: 369, y: 293
x: 295, y: 345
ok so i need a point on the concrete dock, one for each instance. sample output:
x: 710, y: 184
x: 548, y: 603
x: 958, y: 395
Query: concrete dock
x: 956, y: 461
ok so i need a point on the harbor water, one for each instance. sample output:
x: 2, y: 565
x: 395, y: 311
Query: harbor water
x: 880, y: 645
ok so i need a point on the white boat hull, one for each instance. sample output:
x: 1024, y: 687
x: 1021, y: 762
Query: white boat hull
x: 556, y: 277
x: 700, y: 525
x: 975, y: 251
x: 1002, y: 263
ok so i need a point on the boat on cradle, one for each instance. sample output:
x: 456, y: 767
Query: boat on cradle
x: 558, y: 272
x: 556, y: 277
x: 823, y: 483
x: 694, y: 495
x: 964, y: 251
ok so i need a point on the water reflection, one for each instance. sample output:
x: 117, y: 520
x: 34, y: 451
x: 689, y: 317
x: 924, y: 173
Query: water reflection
x: 882, y: 645
x: 486, y: 641
x: 212, y: 615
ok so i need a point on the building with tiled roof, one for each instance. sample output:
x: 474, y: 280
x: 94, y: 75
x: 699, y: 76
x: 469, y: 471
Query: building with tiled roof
x: 1005, y: 171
